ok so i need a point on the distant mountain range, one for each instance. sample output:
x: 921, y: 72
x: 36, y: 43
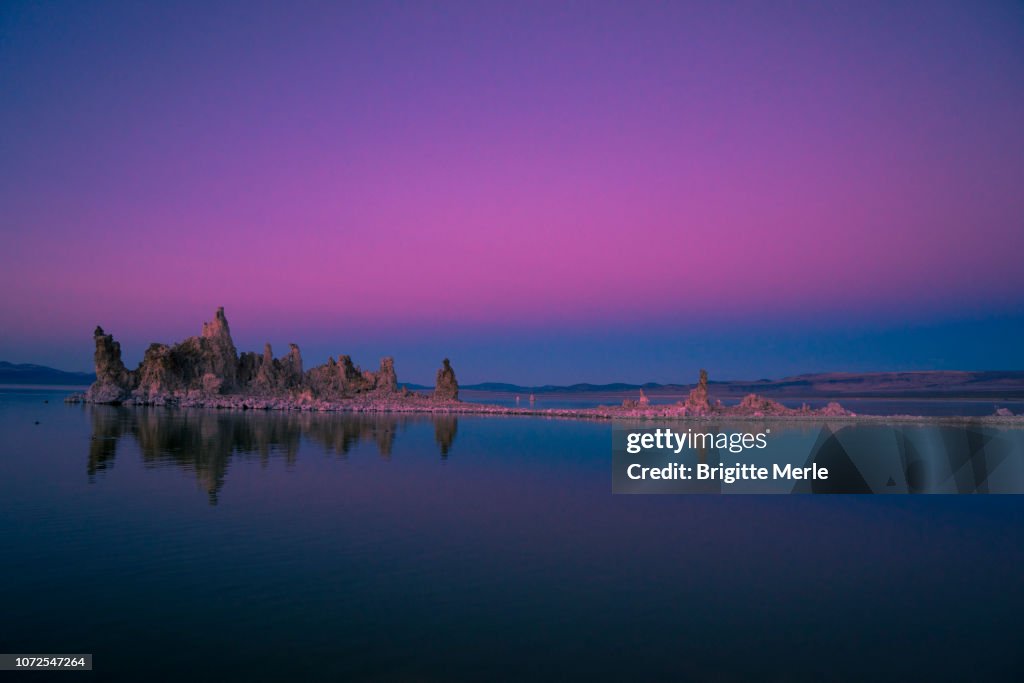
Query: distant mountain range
x: 925, y: 384
x: 26, y: 373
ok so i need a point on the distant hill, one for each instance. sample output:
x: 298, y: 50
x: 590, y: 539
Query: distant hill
x: 27, y: 373
x: 570, y: 389
x: 923, y: 384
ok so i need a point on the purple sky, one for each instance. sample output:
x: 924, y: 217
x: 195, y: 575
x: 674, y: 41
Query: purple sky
x: 546, y: 192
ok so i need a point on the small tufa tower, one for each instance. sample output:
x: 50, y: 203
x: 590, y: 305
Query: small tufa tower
x: 697, y: 402
x: 446, y: 388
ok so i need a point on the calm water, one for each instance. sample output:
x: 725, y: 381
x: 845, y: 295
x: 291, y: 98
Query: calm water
x: 269, y: 547
x: 861, y: 406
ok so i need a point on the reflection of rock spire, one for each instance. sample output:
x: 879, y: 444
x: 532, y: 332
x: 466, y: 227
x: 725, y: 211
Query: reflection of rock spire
x: 205, y: 442
x: 445, y: 427
x: 106, y: 431
x: 384, y: 436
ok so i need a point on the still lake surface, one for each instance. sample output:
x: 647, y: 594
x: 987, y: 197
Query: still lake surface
x: 206, y: 545
x: 861, y: 406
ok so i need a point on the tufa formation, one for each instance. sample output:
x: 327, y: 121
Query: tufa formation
x: 446, y: 388
x: 209, y: 366
x: 697, y: 402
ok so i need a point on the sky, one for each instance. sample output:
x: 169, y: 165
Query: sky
x: 545, y: 192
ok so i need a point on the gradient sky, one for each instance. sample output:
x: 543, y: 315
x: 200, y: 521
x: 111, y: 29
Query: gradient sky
x: 544, y: 192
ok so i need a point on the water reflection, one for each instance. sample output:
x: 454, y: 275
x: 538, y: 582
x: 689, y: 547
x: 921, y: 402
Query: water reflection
x: 968, y: 458
x: 964, y: 457
x: 204, y: 442
x: 444, y: 432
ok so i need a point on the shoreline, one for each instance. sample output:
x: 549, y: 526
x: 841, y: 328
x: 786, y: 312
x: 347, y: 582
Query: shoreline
x: 423, y: 405
x: 206, y: 371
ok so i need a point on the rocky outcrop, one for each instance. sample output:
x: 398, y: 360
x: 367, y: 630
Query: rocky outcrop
x: 207, y: 371
x: 326, y: 379
x: 207, y: 364
x: 289, y: 369
x: 352, y: 379
x: 446, y: 388
x: 201, y: 368
x: 158, y: 374
x: 386, y: 380
x: 218, y: 350
x: 113, y: 380
x: 265, y: 380
x: 755, y: 405
x: 833, y: 409
x: 643, y: 402
x: 697, y: 402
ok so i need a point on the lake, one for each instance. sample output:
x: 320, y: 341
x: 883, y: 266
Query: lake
x: 214, y: 545
x: 936, y: 407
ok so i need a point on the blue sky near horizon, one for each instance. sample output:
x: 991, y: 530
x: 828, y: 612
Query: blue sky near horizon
x: 665, y: 355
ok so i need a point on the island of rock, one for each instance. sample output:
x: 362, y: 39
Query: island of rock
x: 207, y: 370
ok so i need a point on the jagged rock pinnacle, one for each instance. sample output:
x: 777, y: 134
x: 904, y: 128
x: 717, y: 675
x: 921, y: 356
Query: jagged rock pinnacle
x: 209, y: 365
x: 446, y: 387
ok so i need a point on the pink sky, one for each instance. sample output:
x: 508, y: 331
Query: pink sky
x: 376, y: 170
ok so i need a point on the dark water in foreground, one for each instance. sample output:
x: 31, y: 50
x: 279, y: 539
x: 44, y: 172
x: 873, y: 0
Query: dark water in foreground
x: 270, y: 547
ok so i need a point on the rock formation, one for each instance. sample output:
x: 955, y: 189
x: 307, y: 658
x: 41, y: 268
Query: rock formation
x: 387, y: 381
x: 697, y: 402
x: 758, y: 406
x: 219, y: 350
x: 446, y: 388
x: 158, y: 373
x: 209, y: 365
x: 833, y: 409
x: 113, y: 380
x: 207, y: 371
x: 289, y: 369
x: 352, y: 378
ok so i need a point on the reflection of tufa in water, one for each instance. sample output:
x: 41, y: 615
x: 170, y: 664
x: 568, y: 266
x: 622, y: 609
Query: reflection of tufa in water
x: 445, y: 427
x: 970, y: 458
x: 205, y: 442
